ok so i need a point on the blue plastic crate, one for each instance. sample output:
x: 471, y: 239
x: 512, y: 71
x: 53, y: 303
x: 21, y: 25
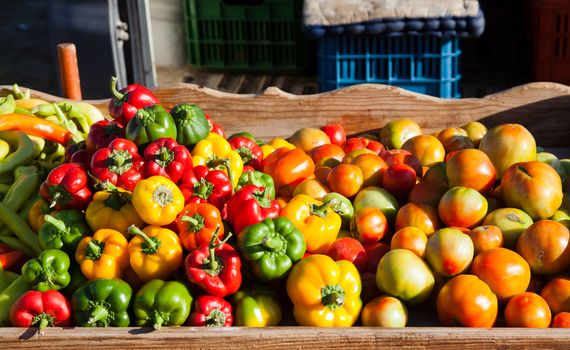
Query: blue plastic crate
x: 422, y: 63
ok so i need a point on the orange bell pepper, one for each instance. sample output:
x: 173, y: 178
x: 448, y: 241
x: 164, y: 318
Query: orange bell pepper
x: 288, y: 167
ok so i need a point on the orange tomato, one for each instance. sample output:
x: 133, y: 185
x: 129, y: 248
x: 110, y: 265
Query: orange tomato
x: 349, y: 157
x: 471, y: 168
x: 328, y: 155
x: 411, y: 238
x: 545, y: 246
x: 322, y: 173
x: 312, y: 188
x: 400, y: 156
x: 454, y: 139
x: 421, y: 216
x: 345, y: 179
x: 475, y: 131
x: 384, y: 311
x: 463, y: 207
x: 288, y: 166
x: 557, y: 294
x: 467, y: 301
x: 437, y: 171
x: 308, y: 138
x: 427, y: 148
x: 428, y: 191
x: 561, y: 320
x: 506, y: 272
x: 372, y: 167
x: 527, y: 310
x: 369, y: 224
x: 449, y: 251
x: 486, y: 237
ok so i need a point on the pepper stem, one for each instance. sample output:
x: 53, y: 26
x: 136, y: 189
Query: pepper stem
x: 43, y: 320
x: 158, y: 321
x: 94, y: 249
x: 150, y: 246
x: 211, y: 262
x: 321, y: 210
x: 195, y: 223
x: 332, y: 296
x: 116, y: 94
x: 56, y: 197
x: 274, y: 244
x: 58, y: 224
x: 216, y: 318
x: 99, y: 313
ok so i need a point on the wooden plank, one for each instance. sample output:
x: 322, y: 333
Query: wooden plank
x: 287, y: 338
x: 544, y: 108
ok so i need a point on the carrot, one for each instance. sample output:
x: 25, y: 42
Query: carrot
x: 34, y: 126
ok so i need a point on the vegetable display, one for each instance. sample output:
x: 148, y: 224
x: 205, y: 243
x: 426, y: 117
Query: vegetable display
x: 150, y: 217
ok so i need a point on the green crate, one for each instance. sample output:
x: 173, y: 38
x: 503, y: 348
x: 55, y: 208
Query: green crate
x: 246, y: 35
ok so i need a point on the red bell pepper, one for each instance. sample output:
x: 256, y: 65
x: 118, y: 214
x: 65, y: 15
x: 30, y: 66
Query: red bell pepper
x: 336, y: 133
x: 211, y: 311
x: 249, y: 205
x: 10, y: 258
x: 202, y: 185
x: 215, y: 128
x: 215, y: 267
x: 67, y: 186
x: 77, y: 153
x: 41, y: 309
x: 126, y: 102
x: 102, y: 133
x: 167, y: 158
x: 361, y: 142
x: 249, y: 151
x: 119, y: 163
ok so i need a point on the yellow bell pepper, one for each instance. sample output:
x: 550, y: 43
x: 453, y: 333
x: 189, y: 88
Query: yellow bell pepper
x: 316, y: 221
x: 37, y: 212
x: 325, y: 293
x: 112, y: 209
x: 155, y: 252
x: 104, y: 255
x: 274, y: 144
x: 157, y: 200
x: 216, y: 152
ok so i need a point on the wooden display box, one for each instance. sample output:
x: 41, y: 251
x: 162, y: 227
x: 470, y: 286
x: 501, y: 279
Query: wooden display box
x: 544, y: 108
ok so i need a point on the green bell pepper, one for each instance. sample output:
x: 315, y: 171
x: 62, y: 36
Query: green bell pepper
x: 271, y: 247
x: 77, y: 280
x: 191, y: 124
x: 7, y: 104
x: 63, y: 230
x: 256, y: 307
x: 257, y: 178
x: 159, y: 303
x: 340, y: 205
x: 102, y: 302
x: 49, y: 271
x: 9, y: 296
x: 150, y: 123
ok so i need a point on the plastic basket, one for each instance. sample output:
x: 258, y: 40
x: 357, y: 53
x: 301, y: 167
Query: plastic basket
x: 245, y: 35
x: 551, y: 40
x: 421, y: 63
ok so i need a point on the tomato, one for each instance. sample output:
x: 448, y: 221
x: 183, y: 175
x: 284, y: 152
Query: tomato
x: 362, y: 143
x: 373, y: 168
x: 322, y: 173
x: 471, y: 168
x: 467, y: 301
x: 527, y: 310
x: 428, y: 191
x: 545, y: 246
x: 312, y: 188
x: 475, y: 131
x: 345, y: 179
x: 463, y: 207
x: 400, y: 156
x: 534, y: 187
x: 449, y: 252
x: 288, y: 166
x: 369, y: 225
x: 454, y: 139
x: 399, y: 179
x: 486, y: 237
x: 398, y: 131
x: 350, y: 156
x: 506, y: 272
x: 335, y: 132
x: 427, y: 148
x: 377, y: 197
x: 421, y: 216
x: 511, y: 221
x: 508, y: 144
x: 374, y: 251
x: 561, y: 320
x: 557, y: 294
x: 350, y: 249
x: 384, y: 311
x: 437, y: 171
x: 308, y: 138
x: 327, y: 155
x: 411, y: 238
x: 369, y: 288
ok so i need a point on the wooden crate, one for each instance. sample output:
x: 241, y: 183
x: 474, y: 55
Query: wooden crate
x: 544, y: 108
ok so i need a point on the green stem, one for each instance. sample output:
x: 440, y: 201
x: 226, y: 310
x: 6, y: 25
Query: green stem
x: 216, y: 318
x: 195, y: 223
x: 151, y: 245
x: 321, y: 210
x: 99, y: 313
x: 58, y: 224
x: 116, y: 94
x: 94, y: 250
x: 158, y: 321
x: 274, y: 244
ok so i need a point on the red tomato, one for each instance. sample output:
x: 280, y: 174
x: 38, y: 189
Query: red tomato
x: 336, y: 133
x: 345, y: 179
x: 421, y: 216
x: 428, y: 191
x: 356, y: 143
x: 561, y: 320
x: 328, y: 155
x: 400, y: 156
x: 375, y: 251
x: 557, y: 294
x: 350, y: 249
x: 527, y: 310
x: 369, y: 224
x: 373, y: 168
x: 399, y: 179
